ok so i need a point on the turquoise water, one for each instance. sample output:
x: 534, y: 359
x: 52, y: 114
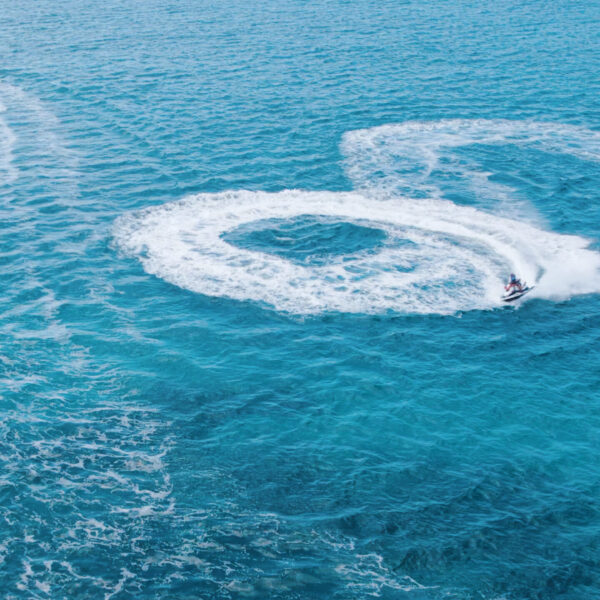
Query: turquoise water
x: 251, y: 342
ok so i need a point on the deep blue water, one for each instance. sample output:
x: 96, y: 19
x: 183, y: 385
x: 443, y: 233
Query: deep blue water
x: 251, y: 339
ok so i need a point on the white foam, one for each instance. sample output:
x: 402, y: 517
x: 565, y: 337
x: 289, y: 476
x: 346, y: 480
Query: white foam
x: 458, y: 259
x: 181, y: 242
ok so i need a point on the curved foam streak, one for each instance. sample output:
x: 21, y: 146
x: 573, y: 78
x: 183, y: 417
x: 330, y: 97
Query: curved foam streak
x: 29, y: 129
x: 459, y: 255
x: 403, y: 155
x: 8, y: 173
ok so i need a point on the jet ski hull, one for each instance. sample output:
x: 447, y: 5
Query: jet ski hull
x: 517, y: 294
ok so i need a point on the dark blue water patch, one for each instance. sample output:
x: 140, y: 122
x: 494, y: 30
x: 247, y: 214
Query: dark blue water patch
x: 306, y: 239
x: 561, y: 187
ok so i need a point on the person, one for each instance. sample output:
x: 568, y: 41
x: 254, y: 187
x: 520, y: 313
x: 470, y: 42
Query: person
x: 514, y: 284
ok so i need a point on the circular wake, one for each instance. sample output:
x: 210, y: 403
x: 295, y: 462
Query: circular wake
x: 436, y: 256
x: 456, y: 261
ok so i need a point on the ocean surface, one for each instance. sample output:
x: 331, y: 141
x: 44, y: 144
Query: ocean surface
x: 251, y: 336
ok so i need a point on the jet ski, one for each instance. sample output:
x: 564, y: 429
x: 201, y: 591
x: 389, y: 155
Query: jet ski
x: 515, y: 294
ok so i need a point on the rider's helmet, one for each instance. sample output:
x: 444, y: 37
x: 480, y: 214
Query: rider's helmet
x: 512, y: 277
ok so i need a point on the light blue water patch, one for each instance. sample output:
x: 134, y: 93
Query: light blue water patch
x: 178, y: 423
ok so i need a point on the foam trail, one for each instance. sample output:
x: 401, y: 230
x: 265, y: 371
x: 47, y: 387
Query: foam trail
x: 403, y: 156
x: 8, y: 173
x: 32, y: 132
x: 407, y: 158
x: 181, y: 242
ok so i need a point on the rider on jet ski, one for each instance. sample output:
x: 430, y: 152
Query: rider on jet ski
x: 514, y: 285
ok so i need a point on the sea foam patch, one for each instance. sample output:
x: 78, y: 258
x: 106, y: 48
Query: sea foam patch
x: 438, y: 257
